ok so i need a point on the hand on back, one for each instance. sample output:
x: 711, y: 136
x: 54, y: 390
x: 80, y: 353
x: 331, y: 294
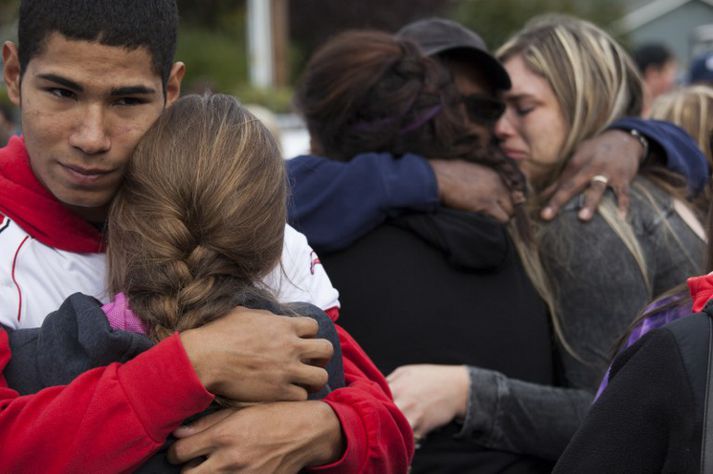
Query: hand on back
x: 256, y: 356
x: 472, y: 187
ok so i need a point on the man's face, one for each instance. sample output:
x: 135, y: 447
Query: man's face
x: 84, y: 107
x: 470, y: 83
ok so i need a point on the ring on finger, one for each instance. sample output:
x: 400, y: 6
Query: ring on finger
x: 600, y: 178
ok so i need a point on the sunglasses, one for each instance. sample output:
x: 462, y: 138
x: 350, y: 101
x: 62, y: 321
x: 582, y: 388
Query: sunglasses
x: 483, y: 109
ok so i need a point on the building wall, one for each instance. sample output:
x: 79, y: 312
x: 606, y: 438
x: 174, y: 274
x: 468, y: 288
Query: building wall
x: 675, y: 28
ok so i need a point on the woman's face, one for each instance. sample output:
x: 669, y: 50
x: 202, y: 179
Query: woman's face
x: 532, y: 130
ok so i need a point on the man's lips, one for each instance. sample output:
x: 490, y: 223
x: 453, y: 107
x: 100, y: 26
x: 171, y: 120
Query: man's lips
x: 82, y: 175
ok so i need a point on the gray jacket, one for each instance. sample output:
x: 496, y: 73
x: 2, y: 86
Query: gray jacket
x: 600, y: 290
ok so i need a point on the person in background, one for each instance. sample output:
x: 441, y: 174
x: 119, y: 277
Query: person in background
x: 700, y: 70
x: 691, y: 108
x: 337, y: 202
x: 658, y: 68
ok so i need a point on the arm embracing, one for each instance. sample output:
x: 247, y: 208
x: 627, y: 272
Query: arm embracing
x: 615, y: 156
x: 334, y: 203
x: 109, y: 419
x: 377, y: 436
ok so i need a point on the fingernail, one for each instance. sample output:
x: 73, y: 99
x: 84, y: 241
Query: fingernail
x: 585, y: 214
x: 183, y: 431
x: 548, y: 213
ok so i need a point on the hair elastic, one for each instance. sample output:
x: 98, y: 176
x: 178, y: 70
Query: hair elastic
x: 421, y: 119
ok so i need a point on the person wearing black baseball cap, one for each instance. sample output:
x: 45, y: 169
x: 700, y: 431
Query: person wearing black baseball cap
x: 446, y: 38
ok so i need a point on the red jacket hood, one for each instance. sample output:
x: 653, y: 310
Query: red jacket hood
x: 31, y: 206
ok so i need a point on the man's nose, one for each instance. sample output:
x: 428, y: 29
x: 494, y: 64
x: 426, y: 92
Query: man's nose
x: 91, y: 133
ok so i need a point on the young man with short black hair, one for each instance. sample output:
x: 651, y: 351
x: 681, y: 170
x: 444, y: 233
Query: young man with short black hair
x: 90, y: 78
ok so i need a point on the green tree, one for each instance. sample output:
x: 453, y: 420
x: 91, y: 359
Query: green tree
x: 211, y: 41
x: 497, y: 20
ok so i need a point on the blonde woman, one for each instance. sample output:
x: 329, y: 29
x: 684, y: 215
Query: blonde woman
x: 570, y: 80
x: 691, y: 108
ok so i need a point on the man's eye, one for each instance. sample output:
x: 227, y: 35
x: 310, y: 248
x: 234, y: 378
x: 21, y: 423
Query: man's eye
x: 129, y: 101
x: 61, y: 93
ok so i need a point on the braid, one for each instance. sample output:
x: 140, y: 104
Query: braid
x: 200, y: 218
x: 515, y: 181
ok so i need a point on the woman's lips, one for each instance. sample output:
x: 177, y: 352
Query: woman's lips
x: 517, y: 155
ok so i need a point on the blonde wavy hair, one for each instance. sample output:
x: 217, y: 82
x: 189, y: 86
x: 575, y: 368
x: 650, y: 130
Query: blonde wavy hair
x: 595, y: 83
x: 592, y: 76
x: 200, y: 217
x: 691, y: 108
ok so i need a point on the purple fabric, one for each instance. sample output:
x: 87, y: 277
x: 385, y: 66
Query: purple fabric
x: 650, y: 323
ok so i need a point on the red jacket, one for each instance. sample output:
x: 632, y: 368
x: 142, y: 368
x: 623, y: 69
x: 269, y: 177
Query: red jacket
x: 112, y: 418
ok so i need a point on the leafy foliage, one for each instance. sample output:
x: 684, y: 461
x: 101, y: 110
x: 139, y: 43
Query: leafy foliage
x: 214, y: 60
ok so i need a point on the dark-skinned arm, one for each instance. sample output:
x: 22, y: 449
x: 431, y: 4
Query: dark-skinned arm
x: 357, y: 428
x: 617, y: 155
x: 334, y: 203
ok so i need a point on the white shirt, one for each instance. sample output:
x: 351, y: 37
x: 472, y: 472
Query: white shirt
x: 35, y: 279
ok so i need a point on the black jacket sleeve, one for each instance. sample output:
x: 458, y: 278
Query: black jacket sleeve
x: 646, y: 419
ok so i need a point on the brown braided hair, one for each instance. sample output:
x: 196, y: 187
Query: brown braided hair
x: 200, y: 217
x: 369, y: 91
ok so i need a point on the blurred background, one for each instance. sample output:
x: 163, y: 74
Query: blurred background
x: 256, y: 49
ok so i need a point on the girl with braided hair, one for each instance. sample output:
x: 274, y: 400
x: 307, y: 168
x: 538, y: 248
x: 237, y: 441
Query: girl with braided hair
x: 428, y: 294
x: 191, y: 237
x: 196, y: 230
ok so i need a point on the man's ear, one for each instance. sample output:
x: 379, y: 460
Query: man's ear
x: 173, y: 86
x: 11, y: 71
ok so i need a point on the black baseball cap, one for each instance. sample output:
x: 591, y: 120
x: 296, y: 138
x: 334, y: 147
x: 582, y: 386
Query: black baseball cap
x: 437, y: 35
